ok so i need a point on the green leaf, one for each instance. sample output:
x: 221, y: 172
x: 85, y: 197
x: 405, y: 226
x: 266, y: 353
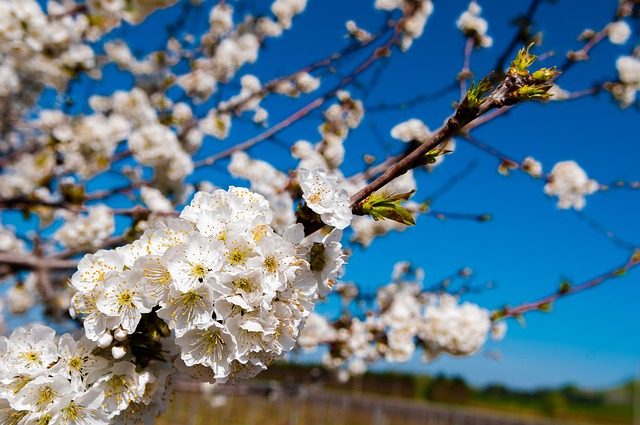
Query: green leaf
x: 620, y: 272
x: 523, y: 60
x: 536, y: 91
x: 476, y: 93
x: 544, y: 75
x: 392, y: 212
x: 499, y: 314
x: 387, y: 207
x: 545, y: 307
x: 431, y: 156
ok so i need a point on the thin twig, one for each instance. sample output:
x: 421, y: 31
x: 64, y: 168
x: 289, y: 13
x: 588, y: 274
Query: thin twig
x: 544, y: 304
x: 601, y: 229
x: 465, y: 74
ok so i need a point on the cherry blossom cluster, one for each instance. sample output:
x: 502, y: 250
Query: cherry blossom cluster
x: 39, y: 48
x: 47, y: 47
x: 228, y: 47
x: 68, y: 380
x: 22, y: 296
x: 87, y: 232
x: 232, y: 291
x: 217, y: 292
x: 404, y: 318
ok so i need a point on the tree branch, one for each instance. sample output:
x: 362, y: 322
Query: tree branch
x: 544, y: 304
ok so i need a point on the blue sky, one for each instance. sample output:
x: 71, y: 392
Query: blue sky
x: 530, y: 246
x: 591, y: 338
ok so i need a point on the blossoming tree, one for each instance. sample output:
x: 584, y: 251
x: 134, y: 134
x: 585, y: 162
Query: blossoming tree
x: 162, y: 270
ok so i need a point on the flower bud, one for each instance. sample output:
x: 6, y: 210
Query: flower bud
x: 105, y: 340
x: 118, y: 351
x: 120, y: 334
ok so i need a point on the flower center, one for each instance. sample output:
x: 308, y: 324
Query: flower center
x: 238, y: 257
x: 72, y: 413
x: 214, y: 344
x: 245, y: 284
x: 191, y: 298
x: 199, y: 271
x: 31, y: 357
x: 125, y: 299
x: 315, y: 197
x: 271, y: 264
x: 75, y: 363
x: 45, y: 395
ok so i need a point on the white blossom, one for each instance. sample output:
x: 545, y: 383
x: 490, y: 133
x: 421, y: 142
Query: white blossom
x: 155, y: 200
x: 198, y: 260
x: 42, y: 395
x: 321, y: 192
x: 121, y: 386
x: 532, y: 167
x: 458, y: 329
x: 31, y: 351
x: 471, y: 24
x: 358, y: 33
x: 216, y: 124
x: 81, y: 408
x: 185, y: 310
x: 316, y: 331
x: 570, y: 184
x: 77, y: 362
x: 306, y: 82
x: 221, y: 19
x: 124, y: 298
x: 411, y: 130
x: 499, y: 330
x: 629, y: 72
x: 285, y: 10
x: 210, y: 346
x: 87, y: 232
x: 20, y: 299
x: 618, y: 32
